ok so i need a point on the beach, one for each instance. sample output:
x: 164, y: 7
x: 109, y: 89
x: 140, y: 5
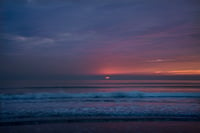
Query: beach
x: 107, y: 126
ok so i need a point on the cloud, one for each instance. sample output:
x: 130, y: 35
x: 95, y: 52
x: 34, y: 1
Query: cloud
x: 30, y: 1
x: 156, y: 60
x: 180, y: 72
x: 62, y: 43
x: 126, y: 36
x: 161, y: 60
x: 33, y: 40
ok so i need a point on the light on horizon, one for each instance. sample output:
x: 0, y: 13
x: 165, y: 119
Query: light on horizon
x: 107, y: 77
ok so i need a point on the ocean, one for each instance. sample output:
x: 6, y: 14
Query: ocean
x: 99, y: 100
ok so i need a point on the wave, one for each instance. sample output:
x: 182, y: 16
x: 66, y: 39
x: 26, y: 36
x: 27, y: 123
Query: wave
x: 110, y: 85
x: 122, y: 85
x: 133, y: 94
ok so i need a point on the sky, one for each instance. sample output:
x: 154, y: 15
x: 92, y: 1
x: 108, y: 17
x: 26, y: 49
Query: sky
x: 99, y: 37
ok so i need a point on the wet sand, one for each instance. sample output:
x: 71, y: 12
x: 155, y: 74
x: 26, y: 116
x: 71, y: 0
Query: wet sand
x: 104, y: 127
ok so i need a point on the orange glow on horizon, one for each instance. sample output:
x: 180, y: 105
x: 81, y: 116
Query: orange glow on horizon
x: 182, y: 72
x: 179, y: 72
x: 116, y: 65
x: 149, y: 71
x: 115, y: 71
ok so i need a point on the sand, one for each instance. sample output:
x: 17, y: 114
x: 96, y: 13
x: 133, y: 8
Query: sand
x: 104, y: 127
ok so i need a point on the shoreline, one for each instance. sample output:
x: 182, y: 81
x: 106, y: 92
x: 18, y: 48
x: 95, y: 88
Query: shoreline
x: 107, y: 126
x: 85, y: 119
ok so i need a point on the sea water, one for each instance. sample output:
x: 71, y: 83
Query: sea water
x: 58, y: 99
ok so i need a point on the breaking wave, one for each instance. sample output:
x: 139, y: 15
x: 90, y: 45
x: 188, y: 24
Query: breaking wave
x: 133, y: 94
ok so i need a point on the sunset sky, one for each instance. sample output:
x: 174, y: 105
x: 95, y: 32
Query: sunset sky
x: 99, y: 37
